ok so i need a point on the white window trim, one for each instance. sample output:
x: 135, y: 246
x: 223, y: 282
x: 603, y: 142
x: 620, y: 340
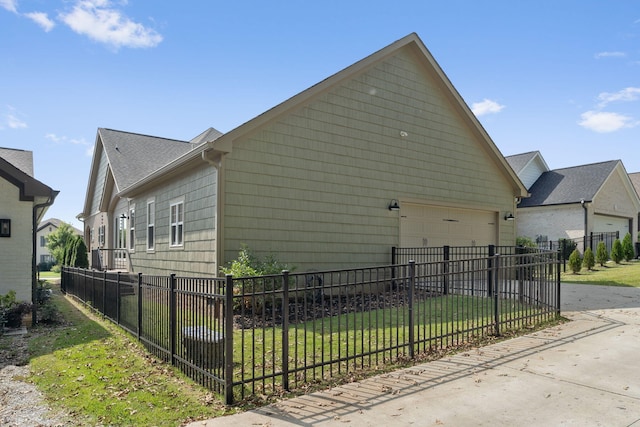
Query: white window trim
x: 178, y: 224
x: 151, y: 224
x: 132, y: 230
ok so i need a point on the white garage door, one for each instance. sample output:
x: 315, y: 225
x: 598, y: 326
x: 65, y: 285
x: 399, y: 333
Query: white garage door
x: 604, y: 223
x: 426, y: 225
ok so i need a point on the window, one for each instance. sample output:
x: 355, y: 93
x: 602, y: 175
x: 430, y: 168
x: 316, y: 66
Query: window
x: 101, y: 231
x: 151, y: 220
x: 132, y: 229
x: 177, y: 224
x: 43, y: 241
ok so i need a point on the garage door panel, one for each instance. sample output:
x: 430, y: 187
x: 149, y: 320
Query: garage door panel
x: 425, y: 225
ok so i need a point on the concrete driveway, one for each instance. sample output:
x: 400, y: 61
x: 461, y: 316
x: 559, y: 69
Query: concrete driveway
x: 583, y: 373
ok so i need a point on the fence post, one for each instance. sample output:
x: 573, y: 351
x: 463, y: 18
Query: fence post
x: 285, y: 329
x: 445, y: 270
x: 558, y: 285
x: 228, y: 341
x: 496, y: 294
x: 412, y: 283
x: 492, y: 252
x: 118, y: 298
x: 394, y: 255
x: 139, y: 305
x: 172, y: 317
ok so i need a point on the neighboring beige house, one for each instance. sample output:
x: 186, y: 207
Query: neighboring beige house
x: 45, y: 228
x: 384, y: 153
x: 23, y: 202
x: 576, y: 201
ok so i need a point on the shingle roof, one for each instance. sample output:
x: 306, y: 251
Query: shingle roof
x: 210, y: 134
x: 21, y: 159
x: 569, y: 185
x: 133, y: 156
x: 519, y: 161
x: 56, y: 223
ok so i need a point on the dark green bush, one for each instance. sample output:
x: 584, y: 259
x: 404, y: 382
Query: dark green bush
x: 628, y: 253
x: 12, y: 311
x: 567, y: 246
x: 616, y: 252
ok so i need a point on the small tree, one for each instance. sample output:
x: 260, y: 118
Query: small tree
x: 616, y: 251
x: 628, y: 253
x: 589, y: 260
x: 575, y: 262
x: 58, y: 240
x: 602, y: 255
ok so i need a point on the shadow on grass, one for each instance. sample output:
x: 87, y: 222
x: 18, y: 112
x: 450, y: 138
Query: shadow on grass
x: 74, y: 328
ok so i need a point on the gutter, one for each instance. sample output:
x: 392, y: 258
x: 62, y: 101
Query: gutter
x: 34, y: 266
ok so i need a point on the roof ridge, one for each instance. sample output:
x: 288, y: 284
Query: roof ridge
x: 144, y: 135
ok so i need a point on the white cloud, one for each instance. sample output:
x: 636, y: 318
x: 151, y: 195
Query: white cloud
x: 10, y: 5
x: 53, y: 137
x: 41, y: 19
x: 102, y: 23
x: 64, y: 140
x: 604, y: 122
x: 610, y: 55
x: 626, y: 95
x: 487, y: 106
x: 15, y: 123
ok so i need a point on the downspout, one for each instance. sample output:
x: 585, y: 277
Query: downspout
x: 586, y: 216
x: 215, y: 160
x: 34, y: 265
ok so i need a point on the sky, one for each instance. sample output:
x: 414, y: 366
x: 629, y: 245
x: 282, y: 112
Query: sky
x: 559, y: 77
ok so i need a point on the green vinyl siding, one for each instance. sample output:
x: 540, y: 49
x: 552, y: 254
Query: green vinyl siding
x: 197, y: 257
x: 313, y: 187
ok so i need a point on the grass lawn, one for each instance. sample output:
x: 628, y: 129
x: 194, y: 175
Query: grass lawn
x: 102, y: 376
x: 612, y: 274
x: 48, y: 275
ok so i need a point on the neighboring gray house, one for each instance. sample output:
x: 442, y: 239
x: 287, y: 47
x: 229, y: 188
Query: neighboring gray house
x: 23, y: 202
x: 384, y: 153
x: 576, y: 201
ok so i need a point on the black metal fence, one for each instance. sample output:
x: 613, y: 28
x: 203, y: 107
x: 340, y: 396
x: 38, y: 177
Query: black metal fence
x: 262, y: 335
x: 581, y: 243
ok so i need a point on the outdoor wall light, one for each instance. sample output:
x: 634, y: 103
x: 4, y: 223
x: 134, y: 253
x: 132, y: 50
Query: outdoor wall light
x: 123, y: 216
x: 5, y: 228
x: 394, y: 205
x: 509, y: 217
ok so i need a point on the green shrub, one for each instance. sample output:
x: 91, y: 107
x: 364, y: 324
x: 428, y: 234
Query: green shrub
x: 567, y: 246
x: 602, y: 255
x: 575, y: 262
x: 12, y: 311
x: 589, y: 259
x: 525, y: 241
x: 628, y: 253
x: 616, y: 251
x: 248, y: 265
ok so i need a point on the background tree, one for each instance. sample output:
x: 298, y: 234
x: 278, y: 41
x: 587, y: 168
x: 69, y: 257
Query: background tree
x: 628, y: 253
x: 589, y: 260
x: 616, y: 251
x: 602, y: 255
x: 58, y: 240
x: 575, y: 262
